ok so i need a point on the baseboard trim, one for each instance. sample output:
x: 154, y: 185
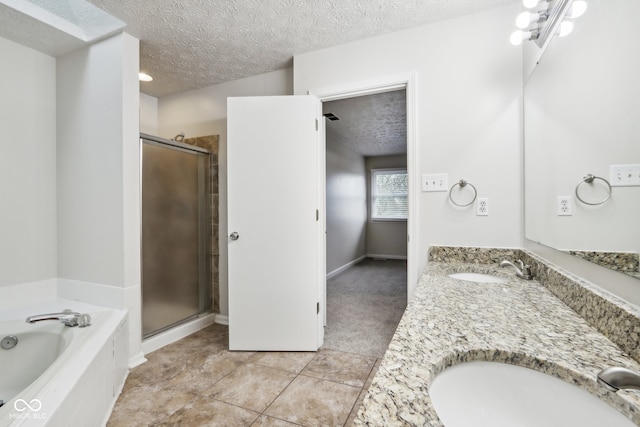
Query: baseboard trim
x: 137, y: 359
x: 179, y: 332
x: 222, y: 319
x: 381, y: 256
x: 345, y: 267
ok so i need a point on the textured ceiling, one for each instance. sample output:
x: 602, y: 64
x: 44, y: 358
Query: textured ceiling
x: 190, y: 44
x: 372, y: 125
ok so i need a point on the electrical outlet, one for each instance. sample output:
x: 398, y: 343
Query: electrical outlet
x: 482, y: 206
x: 564, y: 206
x: 435, y: 182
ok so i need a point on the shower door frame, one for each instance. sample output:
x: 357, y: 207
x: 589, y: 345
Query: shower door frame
x: 205, y: 296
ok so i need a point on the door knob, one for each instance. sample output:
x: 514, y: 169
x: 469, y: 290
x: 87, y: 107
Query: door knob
x: 234, y: 236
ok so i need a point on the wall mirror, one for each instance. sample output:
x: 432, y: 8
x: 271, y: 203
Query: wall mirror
x: 582, y: 115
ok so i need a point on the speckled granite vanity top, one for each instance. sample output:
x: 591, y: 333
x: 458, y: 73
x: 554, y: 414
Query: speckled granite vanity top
x: 450, y: 321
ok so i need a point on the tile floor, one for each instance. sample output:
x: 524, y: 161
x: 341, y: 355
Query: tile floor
x: 197, y: 381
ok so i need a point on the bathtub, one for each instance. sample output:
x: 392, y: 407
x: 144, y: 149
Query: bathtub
x: 62, y: 376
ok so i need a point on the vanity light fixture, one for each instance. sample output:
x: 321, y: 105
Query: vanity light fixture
x: 549, y: 19
x: 518, y: 36
x: 525, y: 19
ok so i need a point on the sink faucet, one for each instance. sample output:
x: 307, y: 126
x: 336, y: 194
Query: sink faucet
x: 68, y: 317
x: 616, y: 378
x: 522, y: 271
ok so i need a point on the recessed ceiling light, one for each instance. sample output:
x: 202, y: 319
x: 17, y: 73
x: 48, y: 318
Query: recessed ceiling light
x: 144, y: 77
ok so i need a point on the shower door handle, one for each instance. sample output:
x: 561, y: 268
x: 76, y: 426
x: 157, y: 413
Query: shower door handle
x: 234, y: 236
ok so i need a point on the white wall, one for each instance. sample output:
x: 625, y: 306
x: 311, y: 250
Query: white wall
x: 469, y: 84
x: 148, y: 114
x: 346, y: 208
x: 27, y: 165
x: 385, y: 238
x: 98, y: 177
x: 204, y: 112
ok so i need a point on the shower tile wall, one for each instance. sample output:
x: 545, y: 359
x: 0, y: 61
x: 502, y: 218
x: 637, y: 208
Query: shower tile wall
x: 210, y: 143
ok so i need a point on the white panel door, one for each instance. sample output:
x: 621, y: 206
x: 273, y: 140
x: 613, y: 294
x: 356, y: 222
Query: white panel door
x: 273, y: 242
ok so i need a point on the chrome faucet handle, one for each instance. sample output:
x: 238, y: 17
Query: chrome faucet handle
x: 526, y: 272
x: 84, y: 320
x: 72, y: 321
x: 519, y: 263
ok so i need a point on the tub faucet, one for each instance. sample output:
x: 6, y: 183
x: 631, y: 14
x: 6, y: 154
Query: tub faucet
x: 616, y: 378
x: 68, y: 317
x: 522, y: 271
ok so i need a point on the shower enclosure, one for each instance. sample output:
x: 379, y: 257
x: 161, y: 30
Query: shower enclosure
x: 176, y: 264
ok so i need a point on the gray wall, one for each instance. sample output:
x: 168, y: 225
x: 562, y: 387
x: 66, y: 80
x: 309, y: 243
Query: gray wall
x: 385, y: 238
x: 346, y: 205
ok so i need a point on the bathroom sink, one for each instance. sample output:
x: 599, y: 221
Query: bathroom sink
x: 479, y: 277
x: 500, y: 395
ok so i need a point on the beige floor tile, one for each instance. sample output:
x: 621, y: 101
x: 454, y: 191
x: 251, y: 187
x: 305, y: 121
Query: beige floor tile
x: 291, y: 361
x: 265, y: 421
x: 346, y: 368
x: 208, y: 412
x: 147, y: 405
x: 251, y: 386
x: 356, y: 407
x: 215, y: 367
x: 314, y: 402
x: 159, y: 368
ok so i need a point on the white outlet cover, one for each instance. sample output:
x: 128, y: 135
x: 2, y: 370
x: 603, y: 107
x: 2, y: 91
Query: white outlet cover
x: 564, y: 204
x: 482, y: 206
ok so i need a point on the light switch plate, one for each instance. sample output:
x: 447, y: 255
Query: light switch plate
x: 435, y: 182
x: 624, y: 175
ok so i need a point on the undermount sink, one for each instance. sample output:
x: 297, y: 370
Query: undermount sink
x: 479, y: 277
x: 500, y: 395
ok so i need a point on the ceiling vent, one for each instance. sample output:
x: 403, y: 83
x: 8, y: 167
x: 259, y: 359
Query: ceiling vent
x: 331, y: 116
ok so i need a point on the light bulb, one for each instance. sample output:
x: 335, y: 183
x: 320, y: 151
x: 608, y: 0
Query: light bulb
x: 565, y: 28
x: 527, y: 18
x: 577, y: 9
x: 536, y: 4
x: 518, y: 36
x: 524, y: 20
x: 144, y: 77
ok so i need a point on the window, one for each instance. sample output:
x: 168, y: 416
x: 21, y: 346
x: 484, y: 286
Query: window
x: 389, y: 194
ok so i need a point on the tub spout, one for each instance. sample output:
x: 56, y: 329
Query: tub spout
x: 523, y: 271
x: 617, y: 378
x: 68, y: 317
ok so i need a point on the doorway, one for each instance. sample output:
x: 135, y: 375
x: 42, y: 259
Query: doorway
x: 367, y: 213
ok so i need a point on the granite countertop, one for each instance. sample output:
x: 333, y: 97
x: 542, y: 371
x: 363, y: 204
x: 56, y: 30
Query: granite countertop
x: 449, y: 321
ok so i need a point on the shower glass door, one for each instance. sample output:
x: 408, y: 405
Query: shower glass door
x: 175, y: 235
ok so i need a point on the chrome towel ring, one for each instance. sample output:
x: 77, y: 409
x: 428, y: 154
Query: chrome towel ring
x: 588, y: 179
x: 462, y: 183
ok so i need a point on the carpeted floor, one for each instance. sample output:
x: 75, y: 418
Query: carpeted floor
x: 364, y: 306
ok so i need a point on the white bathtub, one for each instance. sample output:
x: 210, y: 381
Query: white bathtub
x: 62, y: 376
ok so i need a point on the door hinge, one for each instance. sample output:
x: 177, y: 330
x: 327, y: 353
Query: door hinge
x: 316, y: 124
x: 317, y: 308
x: 317, y: 215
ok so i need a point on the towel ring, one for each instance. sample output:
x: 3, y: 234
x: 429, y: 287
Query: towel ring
x: 588, y: 179
x: 462, y: 183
